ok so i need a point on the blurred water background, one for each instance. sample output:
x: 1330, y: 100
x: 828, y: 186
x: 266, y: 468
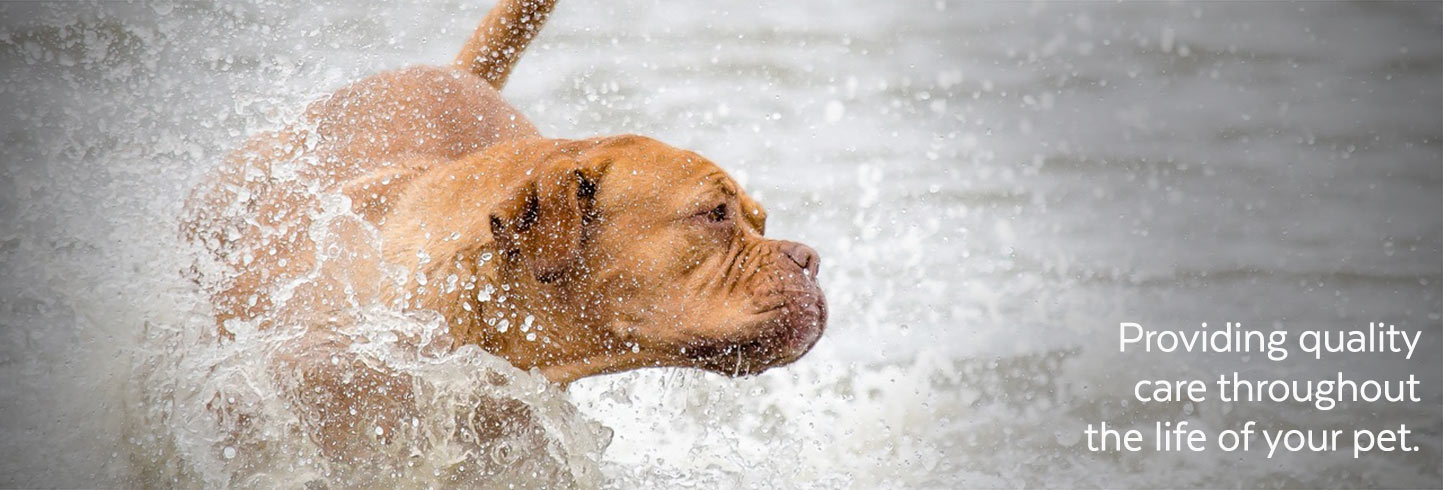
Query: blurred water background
x: 992, y: 187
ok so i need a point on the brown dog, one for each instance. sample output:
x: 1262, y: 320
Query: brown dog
x: 574, y: 257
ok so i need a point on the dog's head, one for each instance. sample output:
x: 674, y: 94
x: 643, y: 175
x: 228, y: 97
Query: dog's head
x: 653, y: 254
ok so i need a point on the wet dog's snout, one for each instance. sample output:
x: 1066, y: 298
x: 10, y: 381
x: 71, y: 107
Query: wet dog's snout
x: 802, y: 255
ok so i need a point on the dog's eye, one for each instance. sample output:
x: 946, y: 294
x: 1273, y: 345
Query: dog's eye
x: 718, y: 214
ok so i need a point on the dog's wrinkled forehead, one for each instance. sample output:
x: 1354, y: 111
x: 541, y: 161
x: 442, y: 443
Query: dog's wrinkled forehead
x: 641, y: 170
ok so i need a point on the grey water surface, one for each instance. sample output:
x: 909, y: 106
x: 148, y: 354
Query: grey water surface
x: 993, y: 188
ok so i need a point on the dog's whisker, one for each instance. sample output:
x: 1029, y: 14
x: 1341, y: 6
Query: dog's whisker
x: 738, y: 369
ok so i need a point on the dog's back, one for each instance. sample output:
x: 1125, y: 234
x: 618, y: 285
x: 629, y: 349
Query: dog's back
x: 253, y: 213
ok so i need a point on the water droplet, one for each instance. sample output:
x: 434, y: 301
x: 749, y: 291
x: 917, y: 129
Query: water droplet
x: 834, y: 111
x: 1067, y: 437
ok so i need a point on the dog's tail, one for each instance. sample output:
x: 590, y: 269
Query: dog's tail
x: 498, y: 42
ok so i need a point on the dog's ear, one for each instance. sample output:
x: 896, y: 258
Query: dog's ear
x: 542, y: 221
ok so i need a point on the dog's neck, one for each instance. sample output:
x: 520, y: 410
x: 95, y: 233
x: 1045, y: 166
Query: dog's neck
x: 532, y: 325
x: 539, y: 325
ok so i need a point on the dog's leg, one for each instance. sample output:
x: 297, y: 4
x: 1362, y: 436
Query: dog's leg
x: 352, y: 408
x: 498, y: 42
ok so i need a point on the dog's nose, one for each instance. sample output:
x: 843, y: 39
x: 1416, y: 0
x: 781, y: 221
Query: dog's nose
x: 803, y: 256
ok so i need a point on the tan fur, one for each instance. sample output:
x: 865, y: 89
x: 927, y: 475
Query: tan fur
x: 622, y: 251
x: 497, y: 44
